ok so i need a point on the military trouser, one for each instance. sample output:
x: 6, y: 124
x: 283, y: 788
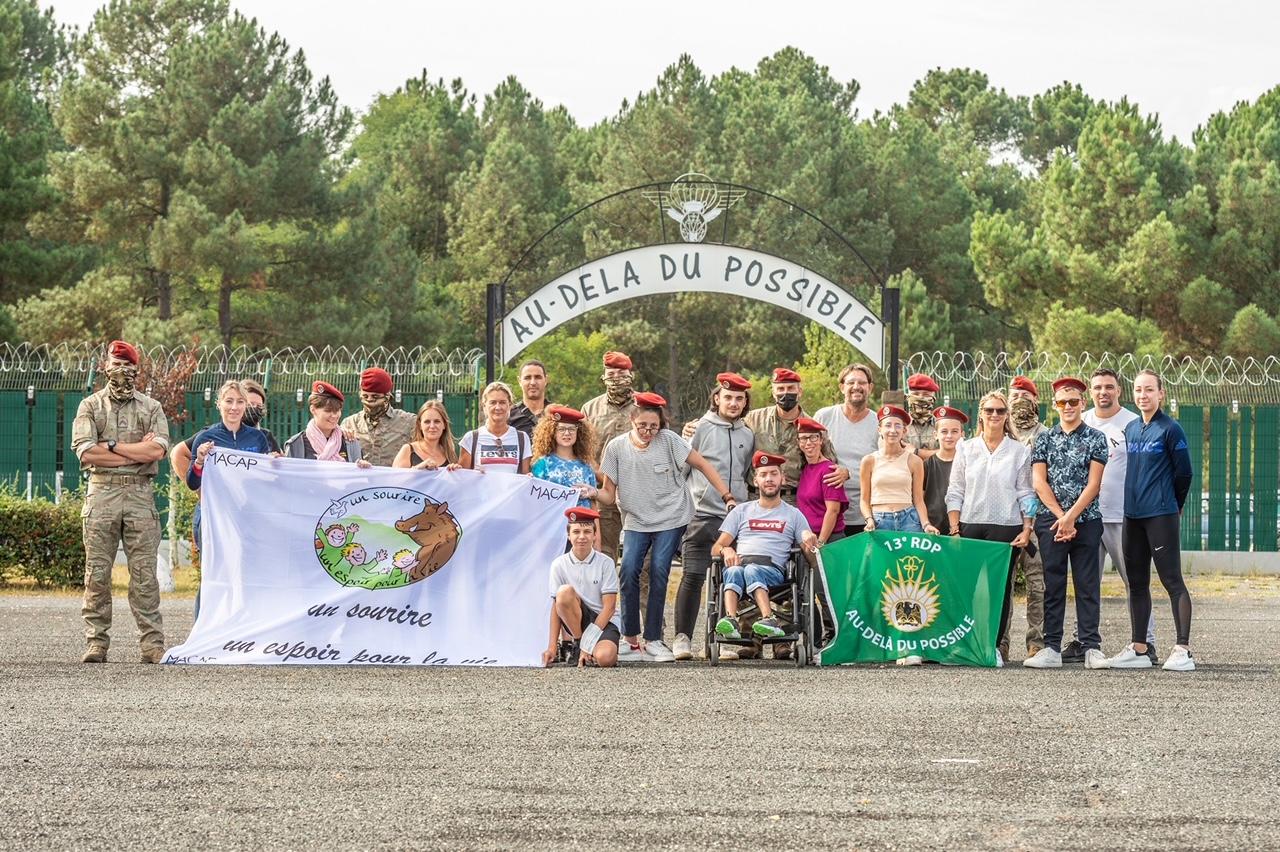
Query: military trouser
x: 1032, y: 568
x: 113, y: 513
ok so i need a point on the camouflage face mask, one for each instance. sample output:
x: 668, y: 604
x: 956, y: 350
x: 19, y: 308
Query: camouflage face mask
x: 618, y: 388
x: 375, y: 405
x: 120, y: 381
x: 1025, y: 413
x: 920, y: 406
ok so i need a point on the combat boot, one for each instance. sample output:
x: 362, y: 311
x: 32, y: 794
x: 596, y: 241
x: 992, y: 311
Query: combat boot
x: 152, y: 655
x: 95, y: 654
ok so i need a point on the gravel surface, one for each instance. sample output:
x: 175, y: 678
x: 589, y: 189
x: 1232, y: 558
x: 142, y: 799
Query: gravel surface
x: 748, y: 755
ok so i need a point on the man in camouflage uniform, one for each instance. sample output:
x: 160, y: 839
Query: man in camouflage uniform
x: 922, y: 431
x: 381, y: 429
x: 775, y: 429
x: 1024, y: 419
x: 120, y: 435
x: 610, y: 416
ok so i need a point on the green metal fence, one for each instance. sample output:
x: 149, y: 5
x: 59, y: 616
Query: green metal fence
x: 41, y: 387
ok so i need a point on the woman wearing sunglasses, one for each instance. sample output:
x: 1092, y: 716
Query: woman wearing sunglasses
x: 990, y: 496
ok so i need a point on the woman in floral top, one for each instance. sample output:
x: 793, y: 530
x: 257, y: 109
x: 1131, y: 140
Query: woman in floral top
x: 563, y: 447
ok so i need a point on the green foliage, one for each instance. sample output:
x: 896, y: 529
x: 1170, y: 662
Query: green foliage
x: 1252, y: 334
x: 1075, y: 330
x: 41, y: 540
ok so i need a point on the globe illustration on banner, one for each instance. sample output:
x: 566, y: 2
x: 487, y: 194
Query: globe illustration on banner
x: 385, y: 538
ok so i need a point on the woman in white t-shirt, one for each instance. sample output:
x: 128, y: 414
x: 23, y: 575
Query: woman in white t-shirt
x: 496, y: 446
x: 645, y: 471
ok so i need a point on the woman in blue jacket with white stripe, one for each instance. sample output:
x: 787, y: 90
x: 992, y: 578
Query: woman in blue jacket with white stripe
x: 1157, y: 480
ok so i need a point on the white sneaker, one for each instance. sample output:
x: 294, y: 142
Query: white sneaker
x: 1045, y: 658
x: 911, y: 660
x: 628, y: 653
x: 1095, y: 659
x: 657, y: 651
x: 682, y: 649
x: 729, y: 652
x: 999, y: 659
x: 1129, y: 659
x: 1180, y: 660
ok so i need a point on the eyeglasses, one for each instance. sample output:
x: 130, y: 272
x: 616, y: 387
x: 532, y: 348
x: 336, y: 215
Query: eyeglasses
x: 810, y: 436
x: 653, y: 428
x: 1068, y: 403
x: 566, y: 430
x: 995, y: 411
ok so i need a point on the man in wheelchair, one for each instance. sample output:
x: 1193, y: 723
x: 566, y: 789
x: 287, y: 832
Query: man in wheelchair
x: 765, y: 531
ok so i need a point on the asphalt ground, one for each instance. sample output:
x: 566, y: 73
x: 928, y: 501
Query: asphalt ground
x: 749, y: 755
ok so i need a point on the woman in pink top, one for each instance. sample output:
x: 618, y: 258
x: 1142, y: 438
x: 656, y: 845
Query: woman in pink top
x: 822, y: 505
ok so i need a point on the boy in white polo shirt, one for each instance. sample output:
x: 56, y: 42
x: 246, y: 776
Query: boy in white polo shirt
x: 584, y: 594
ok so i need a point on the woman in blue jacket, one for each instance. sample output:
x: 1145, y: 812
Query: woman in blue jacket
x: 1157, y: 479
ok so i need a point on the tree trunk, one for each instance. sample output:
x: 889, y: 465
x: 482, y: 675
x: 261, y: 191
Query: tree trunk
x: 224, y: 309
x: 161, y: 278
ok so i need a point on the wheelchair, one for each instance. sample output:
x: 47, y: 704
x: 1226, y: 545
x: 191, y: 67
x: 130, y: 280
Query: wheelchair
x: 793, y: 604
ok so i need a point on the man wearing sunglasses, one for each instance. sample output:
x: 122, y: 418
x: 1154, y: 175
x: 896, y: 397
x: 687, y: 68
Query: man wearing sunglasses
x: 1066, y: 470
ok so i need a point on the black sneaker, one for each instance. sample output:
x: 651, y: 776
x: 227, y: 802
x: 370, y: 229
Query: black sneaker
x: 1073, y: 652
x: 1151, y: 652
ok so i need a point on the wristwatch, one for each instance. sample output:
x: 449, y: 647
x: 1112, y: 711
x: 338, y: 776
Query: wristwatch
x: 111, y: 445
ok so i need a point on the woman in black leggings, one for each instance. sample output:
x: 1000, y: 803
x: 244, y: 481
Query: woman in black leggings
x: 1157, y: 480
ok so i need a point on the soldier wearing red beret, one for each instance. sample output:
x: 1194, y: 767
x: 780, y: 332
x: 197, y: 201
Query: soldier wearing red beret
x: 922, y: 432
x: 322, y: 438
x: 120, y: 434
x: 775, y: 430
x: 381, y: 428
x: 1024, y: 422
x: 610, y: 416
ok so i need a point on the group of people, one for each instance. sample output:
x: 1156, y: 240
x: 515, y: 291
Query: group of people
x: 745, y: 485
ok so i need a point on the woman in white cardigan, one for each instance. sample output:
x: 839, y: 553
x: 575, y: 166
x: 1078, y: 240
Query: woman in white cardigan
x: 990, y: 495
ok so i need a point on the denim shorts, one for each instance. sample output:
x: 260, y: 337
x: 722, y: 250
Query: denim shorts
x: 903, y: 520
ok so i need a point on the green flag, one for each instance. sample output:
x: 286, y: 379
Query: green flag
x: 896, y: 594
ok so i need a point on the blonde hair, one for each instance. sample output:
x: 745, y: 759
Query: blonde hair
x: 496, y: 386
x: 231, y: 385
x: 1008, y: 415
x: 447, y: 443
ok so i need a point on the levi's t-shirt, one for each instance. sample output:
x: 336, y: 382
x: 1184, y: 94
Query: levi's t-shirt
x: 765, y: 532
x: 496, y: 453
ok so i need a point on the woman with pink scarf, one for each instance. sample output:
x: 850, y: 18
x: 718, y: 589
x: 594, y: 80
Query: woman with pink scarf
x: 322, y: 440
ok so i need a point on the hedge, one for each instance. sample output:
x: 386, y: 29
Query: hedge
x: 41, y: 540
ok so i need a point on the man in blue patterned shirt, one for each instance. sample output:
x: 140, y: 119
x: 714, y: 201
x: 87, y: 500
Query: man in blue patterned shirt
x: 1066, y: 470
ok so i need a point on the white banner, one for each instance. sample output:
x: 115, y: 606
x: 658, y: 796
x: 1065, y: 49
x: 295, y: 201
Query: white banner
x: 324, y: 563
x: 686, y: 267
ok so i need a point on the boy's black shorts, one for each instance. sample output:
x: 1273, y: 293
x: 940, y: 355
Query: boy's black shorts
x: 589, y: 616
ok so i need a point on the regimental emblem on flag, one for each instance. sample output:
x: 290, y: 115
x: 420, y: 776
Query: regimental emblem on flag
x: 910, y: 601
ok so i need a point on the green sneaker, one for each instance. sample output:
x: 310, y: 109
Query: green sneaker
x: 728, y: 628
x: 768, y: 628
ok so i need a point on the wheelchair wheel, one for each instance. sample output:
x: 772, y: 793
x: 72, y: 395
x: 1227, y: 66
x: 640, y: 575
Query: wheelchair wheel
x: 801, y: 654
x: 713, y: 653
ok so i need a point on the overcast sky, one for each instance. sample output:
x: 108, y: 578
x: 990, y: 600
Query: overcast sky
x: 1181, y: 60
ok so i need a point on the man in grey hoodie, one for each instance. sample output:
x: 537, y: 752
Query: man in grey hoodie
x: 724, y: 440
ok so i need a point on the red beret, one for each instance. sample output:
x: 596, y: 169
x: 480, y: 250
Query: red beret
x: 921, y: 382
x: 328, y: 390
x: 946, y: 412
x: 579, y: 515
x: 1024, y: 384
x: 376, y: 380
x: 617, y: 360
x: 782, y: 374
x: 808, y: 424
x: 564, y: 414
x: 893, y: 411
x: 648, y: 399
x: 123, y: 351
x: 1070, y: 382
x: 732, y: 381
x: 763, y: 459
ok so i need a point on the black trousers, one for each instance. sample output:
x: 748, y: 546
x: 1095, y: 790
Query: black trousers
x: 1144, y: 540
x: 1080, y: 554
x: 701, y: 533
x: 1005, y: 533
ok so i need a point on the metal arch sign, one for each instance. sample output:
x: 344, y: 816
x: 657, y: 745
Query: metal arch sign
x: 691, y: 267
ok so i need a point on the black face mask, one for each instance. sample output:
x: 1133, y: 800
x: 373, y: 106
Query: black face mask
x: 253, y: 415
x: 788, y: 401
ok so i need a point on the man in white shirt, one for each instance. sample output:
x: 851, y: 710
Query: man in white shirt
x: 1109, y: 417
x: 853, y: 430
x: 584, y: 596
